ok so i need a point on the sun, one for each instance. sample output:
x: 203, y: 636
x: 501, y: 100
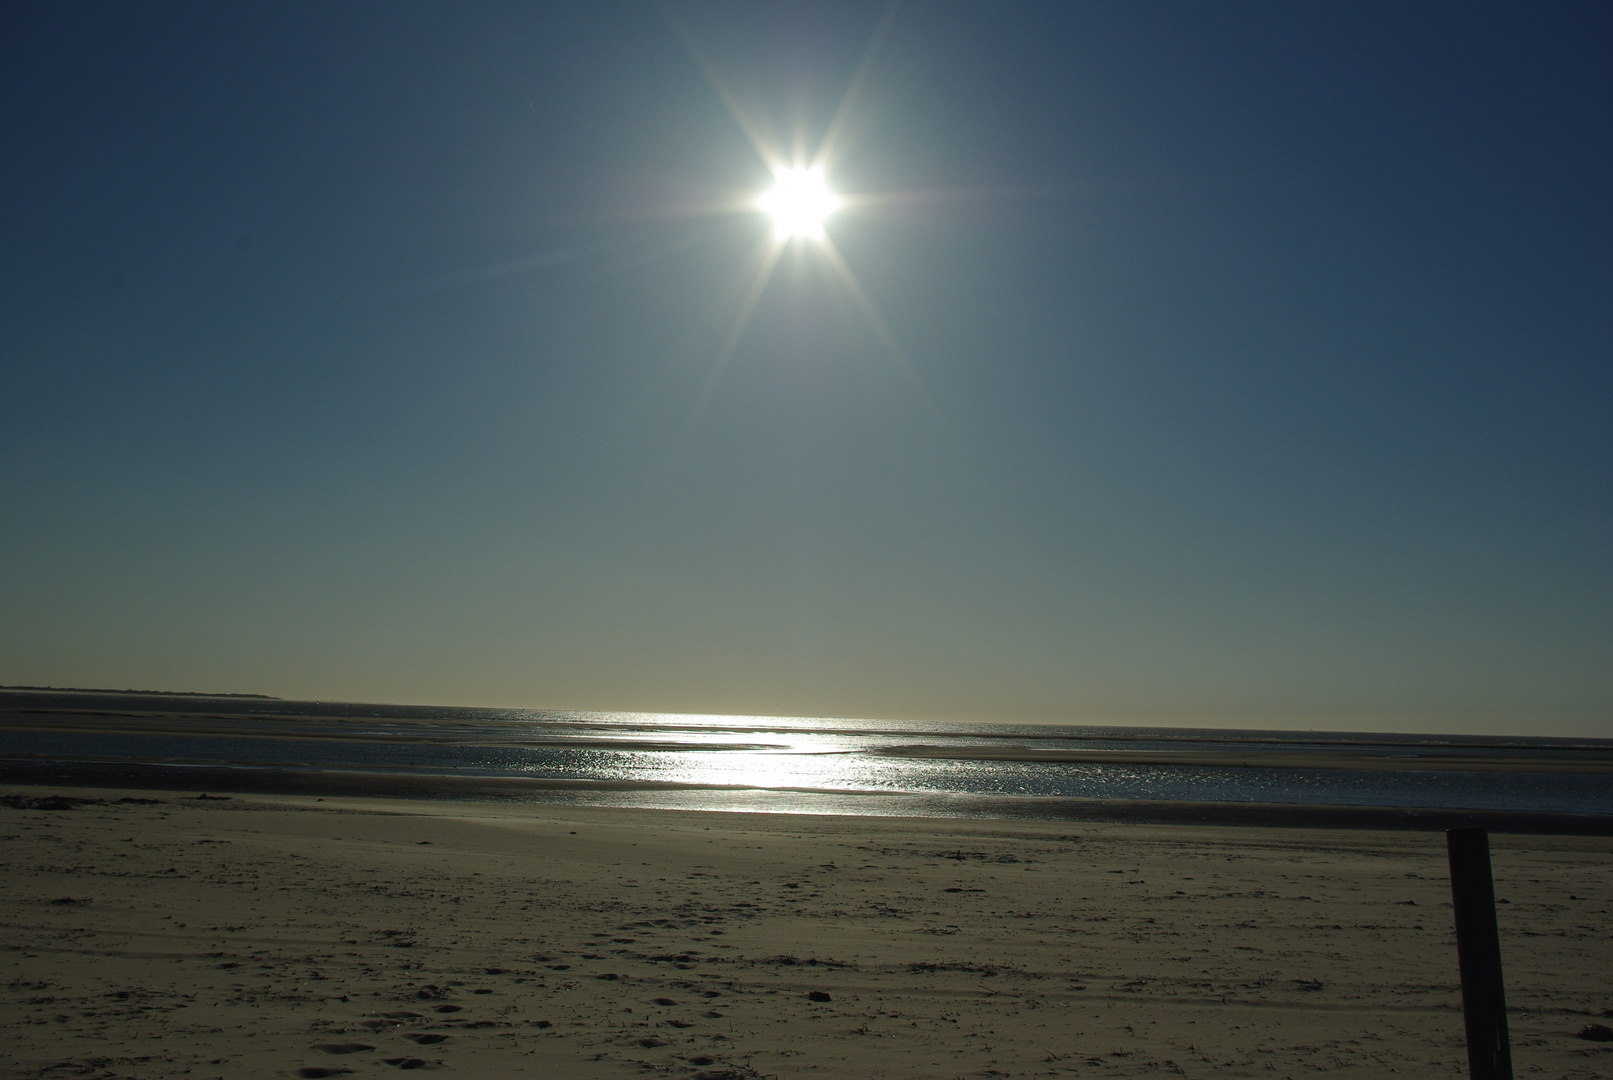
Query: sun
x: 799, y: 202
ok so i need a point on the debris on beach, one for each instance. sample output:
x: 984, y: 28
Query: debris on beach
x: 46, y: 802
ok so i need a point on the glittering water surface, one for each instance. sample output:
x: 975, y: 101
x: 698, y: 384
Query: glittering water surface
x: 807, y: 764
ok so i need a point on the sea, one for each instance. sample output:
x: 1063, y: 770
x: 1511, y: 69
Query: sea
x: 800, y: 764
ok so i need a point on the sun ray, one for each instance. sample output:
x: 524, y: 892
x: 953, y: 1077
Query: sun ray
x: 881, y: 329
x: 769, y: 157
x: 764, y: 274
x: 602, y: 258
x: 920, y: 197
x: 832, y: 134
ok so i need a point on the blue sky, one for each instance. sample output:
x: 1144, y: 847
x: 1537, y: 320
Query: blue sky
x: 1242, y: 364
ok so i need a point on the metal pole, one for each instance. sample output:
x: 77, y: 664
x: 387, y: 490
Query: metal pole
x: 1478, y: 950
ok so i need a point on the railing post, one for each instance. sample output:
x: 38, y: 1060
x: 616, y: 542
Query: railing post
x: 1478, y: 951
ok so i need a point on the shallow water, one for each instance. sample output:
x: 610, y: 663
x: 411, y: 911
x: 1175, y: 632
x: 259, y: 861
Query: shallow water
x: 798, y: 764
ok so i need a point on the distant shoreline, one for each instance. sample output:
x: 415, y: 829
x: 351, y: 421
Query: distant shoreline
x: 141, y: 693
x: 469, y: 718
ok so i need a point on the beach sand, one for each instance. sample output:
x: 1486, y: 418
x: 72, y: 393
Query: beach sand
x: 155, y: 934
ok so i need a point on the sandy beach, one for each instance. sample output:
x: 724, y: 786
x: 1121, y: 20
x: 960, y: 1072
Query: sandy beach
x: 155, y: 933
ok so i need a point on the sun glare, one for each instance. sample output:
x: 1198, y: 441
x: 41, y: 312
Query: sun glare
x: 798, y: 203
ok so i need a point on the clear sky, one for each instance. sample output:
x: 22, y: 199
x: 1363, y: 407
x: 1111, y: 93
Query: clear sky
x: 1244, y: 364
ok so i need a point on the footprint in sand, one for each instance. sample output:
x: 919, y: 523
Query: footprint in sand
x: 313, y: 1072
x: 429, y: 1040
x: 406, y: 1062
x: 344, y: 1048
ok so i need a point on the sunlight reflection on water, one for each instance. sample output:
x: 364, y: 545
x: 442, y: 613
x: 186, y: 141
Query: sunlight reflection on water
x: 804, y: 765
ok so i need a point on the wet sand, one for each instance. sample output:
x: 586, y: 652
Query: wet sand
x: 532, y: 792
x: 153, y: 933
